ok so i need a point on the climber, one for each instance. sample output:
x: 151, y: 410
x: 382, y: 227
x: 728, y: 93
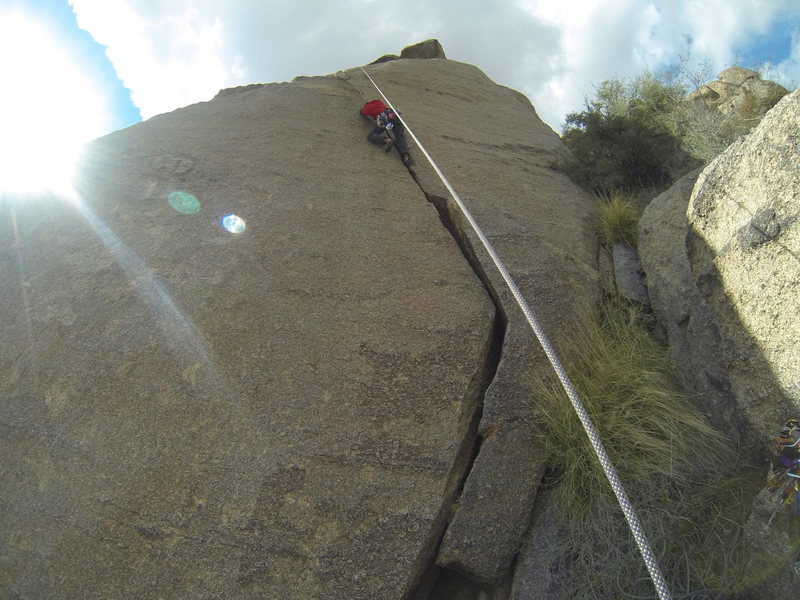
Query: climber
x: 387, y: 131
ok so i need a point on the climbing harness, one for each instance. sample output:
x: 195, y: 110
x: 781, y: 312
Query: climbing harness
x: 608, y: 468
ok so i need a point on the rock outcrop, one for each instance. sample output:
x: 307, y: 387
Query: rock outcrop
x: 628, y: 278
x: 427, y: 49
x: 247, y: 360
x: 726, y: 280
x: 737, y: 91
x: 688, y: 319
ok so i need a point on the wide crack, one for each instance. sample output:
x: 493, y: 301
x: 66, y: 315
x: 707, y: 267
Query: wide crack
x: 451, y: 218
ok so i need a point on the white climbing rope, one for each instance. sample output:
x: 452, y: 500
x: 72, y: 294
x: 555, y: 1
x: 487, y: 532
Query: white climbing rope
x: 608, y: 468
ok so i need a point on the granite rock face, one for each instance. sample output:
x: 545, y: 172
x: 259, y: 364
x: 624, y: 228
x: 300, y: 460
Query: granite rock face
x: 688, y: 319
x: 628, y: 278
x: 720, y: 250
x: 247, y: 360
x: 744, y: 252
x: 541, y: 572
x: 528, y: 214
x: 195, y: 412
x: 721, y: 258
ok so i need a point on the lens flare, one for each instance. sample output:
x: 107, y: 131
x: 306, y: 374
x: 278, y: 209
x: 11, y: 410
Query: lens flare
x: 183, y: 202
x: 233, y: 223
x: 181, y: 335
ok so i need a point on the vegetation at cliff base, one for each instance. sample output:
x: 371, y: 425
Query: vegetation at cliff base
x: 681, y: 474
x: 688, y: 486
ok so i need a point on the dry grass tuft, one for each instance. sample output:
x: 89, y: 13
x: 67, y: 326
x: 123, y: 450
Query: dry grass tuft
x: 619, y: 216
x: 680, y: 472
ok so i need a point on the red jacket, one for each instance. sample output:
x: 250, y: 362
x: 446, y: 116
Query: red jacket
x: 373, y: 108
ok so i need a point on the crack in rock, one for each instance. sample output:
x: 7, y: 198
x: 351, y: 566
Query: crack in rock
x: 451, y: 218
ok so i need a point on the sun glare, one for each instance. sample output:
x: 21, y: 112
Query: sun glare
x: 49, y: 108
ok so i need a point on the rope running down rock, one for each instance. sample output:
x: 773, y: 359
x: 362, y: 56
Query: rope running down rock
x: 608, y: 468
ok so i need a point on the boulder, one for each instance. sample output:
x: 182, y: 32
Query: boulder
x: 628, y: 277
x: 725, y: 281
x: 739, y: 93
x: 733, y: 104
x: 722, y: 273
x: 239, y: 364
x: 743, y: 247
x: 724, y: 91
x: 763, y: 89
x: 720, y: 251
x: 705, y: 93
x: 687, y: 318
x: 737, y: 75
x: 427, y: 49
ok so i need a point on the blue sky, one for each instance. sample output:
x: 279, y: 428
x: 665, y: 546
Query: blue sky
x: 115, y: 62
x: 775, y: 46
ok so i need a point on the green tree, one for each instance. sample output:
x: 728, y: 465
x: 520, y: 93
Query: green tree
x: 625, y: 138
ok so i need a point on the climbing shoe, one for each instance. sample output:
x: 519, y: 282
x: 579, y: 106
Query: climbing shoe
x: 388, y: 145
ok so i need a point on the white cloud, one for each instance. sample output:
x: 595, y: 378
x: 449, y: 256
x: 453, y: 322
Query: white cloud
x: 168, y: 60
x: 174, y: 53
x: 787, y: 72
x: 603, y: 39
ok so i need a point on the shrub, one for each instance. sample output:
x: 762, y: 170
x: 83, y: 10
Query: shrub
x: 704, y: 131
x: 618, y: 152
x: 624, y: 139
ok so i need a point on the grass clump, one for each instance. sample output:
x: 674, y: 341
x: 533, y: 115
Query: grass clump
x: 680, y: 472
x: 618, y: 216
